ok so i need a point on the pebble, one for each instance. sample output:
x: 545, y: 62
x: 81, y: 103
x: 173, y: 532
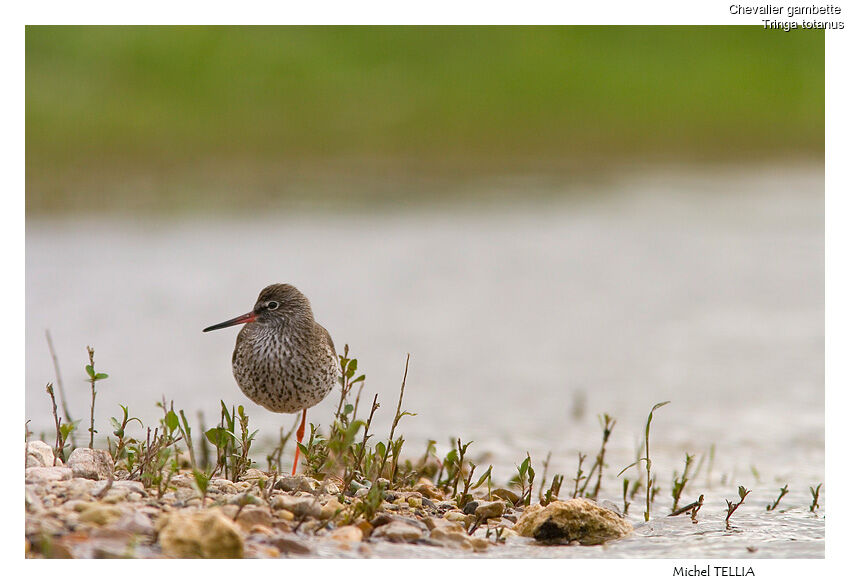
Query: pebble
x: 284, y: 514
x: 252, y: 516
x: 297, y: 484
x: 489, y: 509
x: 429, y: 490
x: 91, y: 464
x: 347, y: 534
x: 330, y: 508
x: 254, y: 474
x: 398, y: 531
x: 99, y: 513
x: 40, y: 454
x: 135, y: 522
x: 455, y: 516
x: 506, y: 494
x: 288, y: 545
x: 200, y: 534
x: 299, y: 506
x: 48, y: 474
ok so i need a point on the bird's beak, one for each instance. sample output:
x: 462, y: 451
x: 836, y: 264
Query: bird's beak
x: 248, y: 317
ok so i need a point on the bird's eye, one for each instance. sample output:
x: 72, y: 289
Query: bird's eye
x: 273, y: 305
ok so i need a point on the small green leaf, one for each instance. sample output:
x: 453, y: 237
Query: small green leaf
x: 216, y: 436
x: 171, y: 421
x: 359, y: 378
x: 101, y: 376
x: 348, y: 409
x: 90, y: 370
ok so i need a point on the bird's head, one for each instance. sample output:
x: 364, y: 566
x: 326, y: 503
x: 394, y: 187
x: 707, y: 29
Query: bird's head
x: 277, y: 305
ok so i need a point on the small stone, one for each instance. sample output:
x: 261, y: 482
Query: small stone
x: 398, y: 531
x: 92, y: 464
x: 48, y: 474
x: 254, y: 474
x: 262, y: 529
x: 288, y: 545
x: 507, y: 495
x: 33, y: 501
x: 127, y: 486
x: 347, y: 534
x: 297, y: 484
x: 330, y: 488
x: 489, y: 509
x: 100, y: 513
x: 299, y: 506
x: 451, y: 537
x: 284, y: 514
x: 414, y: 502
x: 455, y: 516
x: 330, y: 508
x: 252, y: 516
x: 200, y: 534
x: 183, y: 480
x: 361, y: 493
x: 135, y: 522
x: 470, y: 507
x: 40, y: 454
x: 575, y: 520
x: 428, y: 489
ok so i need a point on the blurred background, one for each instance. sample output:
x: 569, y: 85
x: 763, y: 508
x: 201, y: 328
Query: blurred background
x: 554, y: 221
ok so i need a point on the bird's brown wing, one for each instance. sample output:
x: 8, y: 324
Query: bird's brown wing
x: 323, y: 332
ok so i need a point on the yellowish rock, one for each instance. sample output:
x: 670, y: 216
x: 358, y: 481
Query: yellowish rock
x: 455, y: 516
x: 200, y: 534
x: 99, y: 513
x: 284, y: 514
x: 330, y: 508
x: 347, y: 534
x: 579, y: 520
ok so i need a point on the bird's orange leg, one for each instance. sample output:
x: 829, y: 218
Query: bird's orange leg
x: 298, y: 437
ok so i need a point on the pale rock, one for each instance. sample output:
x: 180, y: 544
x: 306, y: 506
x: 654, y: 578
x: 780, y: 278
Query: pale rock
x: 398, y: 531
x: 575, y: 520
x: 455, y: 516
x: 254, y: 474
x: 91, y: 464
x: 48, y: 474
x: 299, y: 506
x: 135, y: 522
x: 40, y: 454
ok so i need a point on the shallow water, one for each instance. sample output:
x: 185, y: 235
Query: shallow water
x: 523, y: 321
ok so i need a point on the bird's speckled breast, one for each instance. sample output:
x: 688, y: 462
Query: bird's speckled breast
x: 284, y: 372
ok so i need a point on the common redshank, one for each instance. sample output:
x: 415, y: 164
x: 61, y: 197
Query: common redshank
x: 284, y: 360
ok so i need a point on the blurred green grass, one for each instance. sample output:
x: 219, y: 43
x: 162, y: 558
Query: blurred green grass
x: 139, y: 117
